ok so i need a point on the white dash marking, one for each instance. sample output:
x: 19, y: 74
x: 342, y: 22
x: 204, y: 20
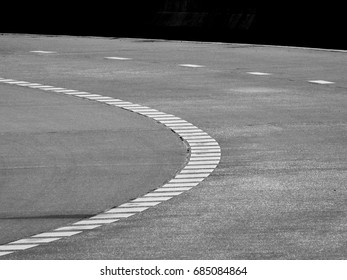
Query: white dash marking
x: 44, y: 52
x: 127, y: 210
x: 207, y: 166
x: 195, y: 175
x: 5, y: 253
x: 35, y: 240
x: 259, y: 73
x: 65, y: 90
x: 167, y: 189
x: 189, y: 171
x: 192, y: 65
x: 14, y: 247
x: 141, y: 204
x: 57, y: 234
x: 118, y: 58
x: 145, y: 199
x: 174, y: 185
x: 203, y: 162
x: 91, y: 222
x: 321, y: 82
x: 109, y: 215
x: 73, y: 228
x: 51, y: 88
x: 186, y: 180
x: 162, y: 194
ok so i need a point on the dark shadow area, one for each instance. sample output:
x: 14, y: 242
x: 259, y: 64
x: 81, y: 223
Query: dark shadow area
x: 247, y: 21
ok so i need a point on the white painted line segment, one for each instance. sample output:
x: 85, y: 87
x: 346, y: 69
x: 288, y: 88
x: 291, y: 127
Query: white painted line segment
x: 145, y: 199
x: 5, y: 253
x: 192, y: 65
x: 167, y: 189
x: 174, y: 185
x: 111, y: 215
x: 91, y: 222
x: 127, y: 210
x: 43, y: 52
x: 321, y: 82
x: 117, y: 58
x: 141, y: 204
x: 15, y: 247
x: 74, y: 228
x: 35, y: 240
x: 57, y: 234
x: 259, y: 73
x: 162, y: 194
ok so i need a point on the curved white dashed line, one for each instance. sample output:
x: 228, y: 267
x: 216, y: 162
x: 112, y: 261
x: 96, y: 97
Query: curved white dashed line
x: 204, y: 156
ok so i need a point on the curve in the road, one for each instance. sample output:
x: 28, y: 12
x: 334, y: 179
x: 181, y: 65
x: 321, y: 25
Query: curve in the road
x: 204, y: 156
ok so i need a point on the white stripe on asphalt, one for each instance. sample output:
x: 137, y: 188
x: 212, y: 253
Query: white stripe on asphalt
x: 259, y: 73
x: 35, y: 240
x: 127, y: 210
x: 321, y: 82
x: 167, y: 189
x: 57, y: 234
x: 192, y: 65
x: 73, y: 228
x: 145, y: 199
x: 117, y: 58
x: 107, y: 215
x: 141, y: 204
x: 163, y: 194
x: 91, y: 222
x: 5, y: 253
x: 15, y: 247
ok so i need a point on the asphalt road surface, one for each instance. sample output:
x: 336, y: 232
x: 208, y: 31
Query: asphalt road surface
x: 278, y: 114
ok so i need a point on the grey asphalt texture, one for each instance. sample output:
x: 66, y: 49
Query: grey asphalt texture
x: 280, y: 189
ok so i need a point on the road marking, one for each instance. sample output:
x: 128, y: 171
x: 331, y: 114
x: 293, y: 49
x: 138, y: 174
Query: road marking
x: 15, y: 247
x: 207, y: 166
x: 162, y: 194
x: 167, y: 189
x: 192, y: 65
x: 65, y: 90
x: 57, y: 234
x: 204, y: 156
x: 127, y: 210
x: 35, y: 240
x: 186, y: 180
x: 146, y: 199
x: 43, y: 52
x: 118, y: 58
x: 196, y: 171
x: 74, y: 228
x: 134, y: 204
x: 5, y: 253
x: 107, y: 215
x: 51, y: 88
x: 321, y: 82
x: 172, y: 185
x: 90, y: 222
x: 259, y: 73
